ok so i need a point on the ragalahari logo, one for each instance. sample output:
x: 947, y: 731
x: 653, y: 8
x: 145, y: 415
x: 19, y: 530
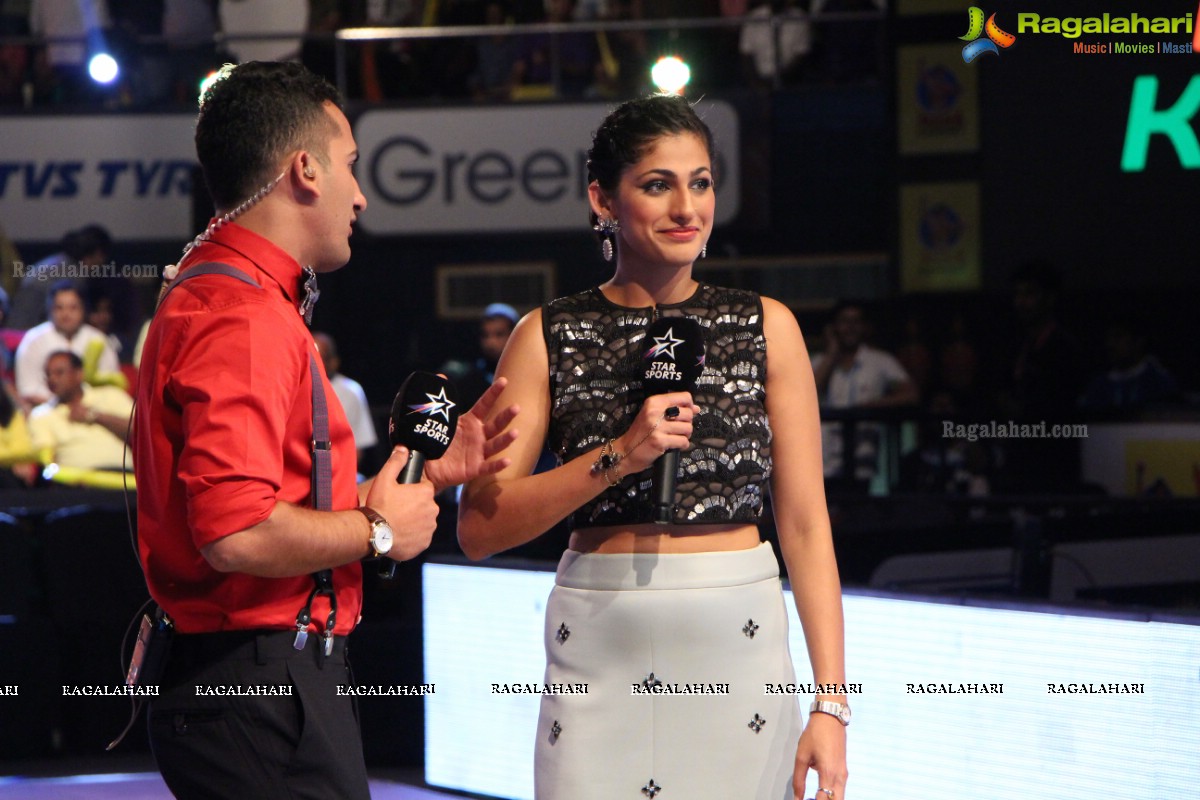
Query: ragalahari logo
x: 996, y: 38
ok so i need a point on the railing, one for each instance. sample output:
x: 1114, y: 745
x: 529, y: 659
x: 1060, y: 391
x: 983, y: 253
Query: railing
x: 345, y: 40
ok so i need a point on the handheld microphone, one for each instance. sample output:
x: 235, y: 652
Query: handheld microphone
x: 673, y: 362
x: 424, y: 418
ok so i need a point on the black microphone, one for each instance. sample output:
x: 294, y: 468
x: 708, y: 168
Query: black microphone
x: 673, y: 362
x: 424, y: 418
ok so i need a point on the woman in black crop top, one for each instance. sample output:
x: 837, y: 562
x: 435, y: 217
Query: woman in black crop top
x: 678, y: 629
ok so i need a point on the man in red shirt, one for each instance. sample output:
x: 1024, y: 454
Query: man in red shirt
x: 232, y: 544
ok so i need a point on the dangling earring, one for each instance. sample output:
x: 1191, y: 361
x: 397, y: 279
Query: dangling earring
x: 607, y: 228
x: 704, y: 251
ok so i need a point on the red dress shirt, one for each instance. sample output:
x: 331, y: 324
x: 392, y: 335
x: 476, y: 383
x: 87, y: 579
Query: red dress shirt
x: 223, y: 430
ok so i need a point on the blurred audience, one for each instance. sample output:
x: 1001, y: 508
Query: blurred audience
x: 1133, y: 378
x: 852, y: 374
x: 474, y: 377
x: 769, y: 53
x: 554, y: 65
x: 80, y: 249
x: 65, y: 330
x: 65, y: 63
x: 495, y: 57
x: 80, y: 426
x: 1047, y: 369
x: 1043, y: 385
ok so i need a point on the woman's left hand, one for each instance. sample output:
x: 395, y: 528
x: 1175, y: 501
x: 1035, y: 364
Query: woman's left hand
x: 822, y: 748
x: 476, y: 440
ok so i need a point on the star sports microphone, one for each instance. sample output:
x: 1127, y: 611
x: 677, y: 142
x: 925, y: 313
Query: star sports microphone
x: 674, y: 360
x: 424, y: 418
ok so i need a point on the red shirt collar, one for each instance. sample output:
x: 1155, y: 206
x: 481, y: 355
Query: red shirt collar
x: 284, y: 270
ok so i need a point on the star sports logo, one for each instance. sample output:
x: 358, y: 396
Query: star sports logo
x: 664, y: 345
x: 996, y: 38
x: 438, y: 404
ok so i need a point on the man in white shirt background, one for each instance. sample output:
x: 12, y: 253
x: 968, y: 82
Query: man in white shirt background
x: 353, y: 399
x: 852, y: 374
x: 65, y: 330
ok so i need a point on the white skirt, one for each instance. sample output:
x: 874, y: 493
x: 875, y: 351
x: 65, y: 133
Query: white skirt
x: 675, y: 652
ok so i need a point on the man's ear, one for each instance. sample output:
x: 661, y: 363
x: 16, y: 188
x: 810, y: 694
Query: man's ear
x: 303, y: 169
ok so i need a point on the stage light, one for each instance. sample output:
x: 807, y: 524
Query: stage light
x: 670, y: 74
x: 103, y: 68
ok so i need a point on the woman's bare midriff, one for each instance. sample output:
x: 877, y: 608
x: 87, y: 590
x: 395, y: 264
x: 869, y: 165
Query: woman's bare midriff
x: 652, y: 538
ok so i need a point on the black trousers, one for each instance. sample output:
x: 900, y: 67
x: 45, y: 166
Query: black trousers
x: 212, y: 743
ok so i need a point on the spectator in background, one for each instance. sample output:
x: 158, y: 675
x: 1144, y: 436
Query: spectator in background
x: 14, y: 58
x: 473, y: 378
x: 622, y: 70
x: 65, y: 330
x: 495, y: 57
x: 1134, y: 378
x: 1043, y: 385
x: 1046, y: 372
x: 852, y: 374
x: 352, y: 397
x: 80, y: 426
x: 10, y: 340
x: 767, y: 57
x: 136, y: 44
x: 84, y: 20
x: 190, y: 28
x: 555, y: 64
x: 914, y: 354
x: 958, y: 371
x: 81, y: 249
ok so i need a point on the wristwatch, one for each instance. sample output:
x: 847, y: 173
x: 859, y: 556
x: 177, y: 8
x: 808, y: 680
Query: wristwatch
x: 381, y: 532
x: 839, y: 710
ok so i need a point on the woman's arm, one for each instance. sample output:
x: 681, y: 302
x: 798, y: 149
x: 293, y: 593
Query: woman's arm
x: 805, y: 538
x: 501, y: 511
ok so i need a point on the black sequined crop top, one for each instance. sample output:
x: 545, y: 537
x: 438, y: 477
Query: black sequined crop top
x: 595, y: 349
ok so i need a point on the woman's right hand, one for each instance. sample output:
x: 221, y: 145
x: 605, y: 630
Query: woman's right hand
x: 653, y: 432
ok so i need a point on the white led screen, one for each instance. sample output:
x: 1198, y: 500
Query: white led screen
x: 484, y: 625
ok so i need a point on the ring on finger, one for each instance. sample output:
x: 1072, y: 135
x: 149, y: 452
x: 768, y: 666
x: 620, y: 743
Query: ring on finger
x: 828, y: 792
x: 671, y: 413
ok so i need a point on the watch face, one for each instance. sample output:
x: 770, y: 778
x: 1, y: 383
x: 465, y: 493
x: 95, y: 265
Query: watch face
x: 844, y: 715
x: 382, y: 538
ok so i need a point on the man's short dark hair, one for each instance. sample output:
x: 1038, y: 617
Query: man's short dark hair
x: 842, y: 305
x: 252, y: 118
x: 74, y: 359
x: 86, y: 240
x: 63, y: 286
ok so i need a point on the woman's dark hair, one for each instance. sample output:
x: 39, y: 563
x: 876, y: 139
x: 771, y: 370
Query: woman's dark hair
x: 254, y: 116
x: 628, y: 133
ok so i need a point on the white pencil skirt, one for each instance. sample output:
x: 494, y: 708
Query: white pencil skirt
x: 675, y: 653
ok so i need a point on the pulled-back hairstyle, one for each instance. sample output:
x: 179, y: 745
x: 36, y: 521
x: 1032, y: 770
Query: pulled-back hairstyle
x: 252, y: 117
x: 629, y: 132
